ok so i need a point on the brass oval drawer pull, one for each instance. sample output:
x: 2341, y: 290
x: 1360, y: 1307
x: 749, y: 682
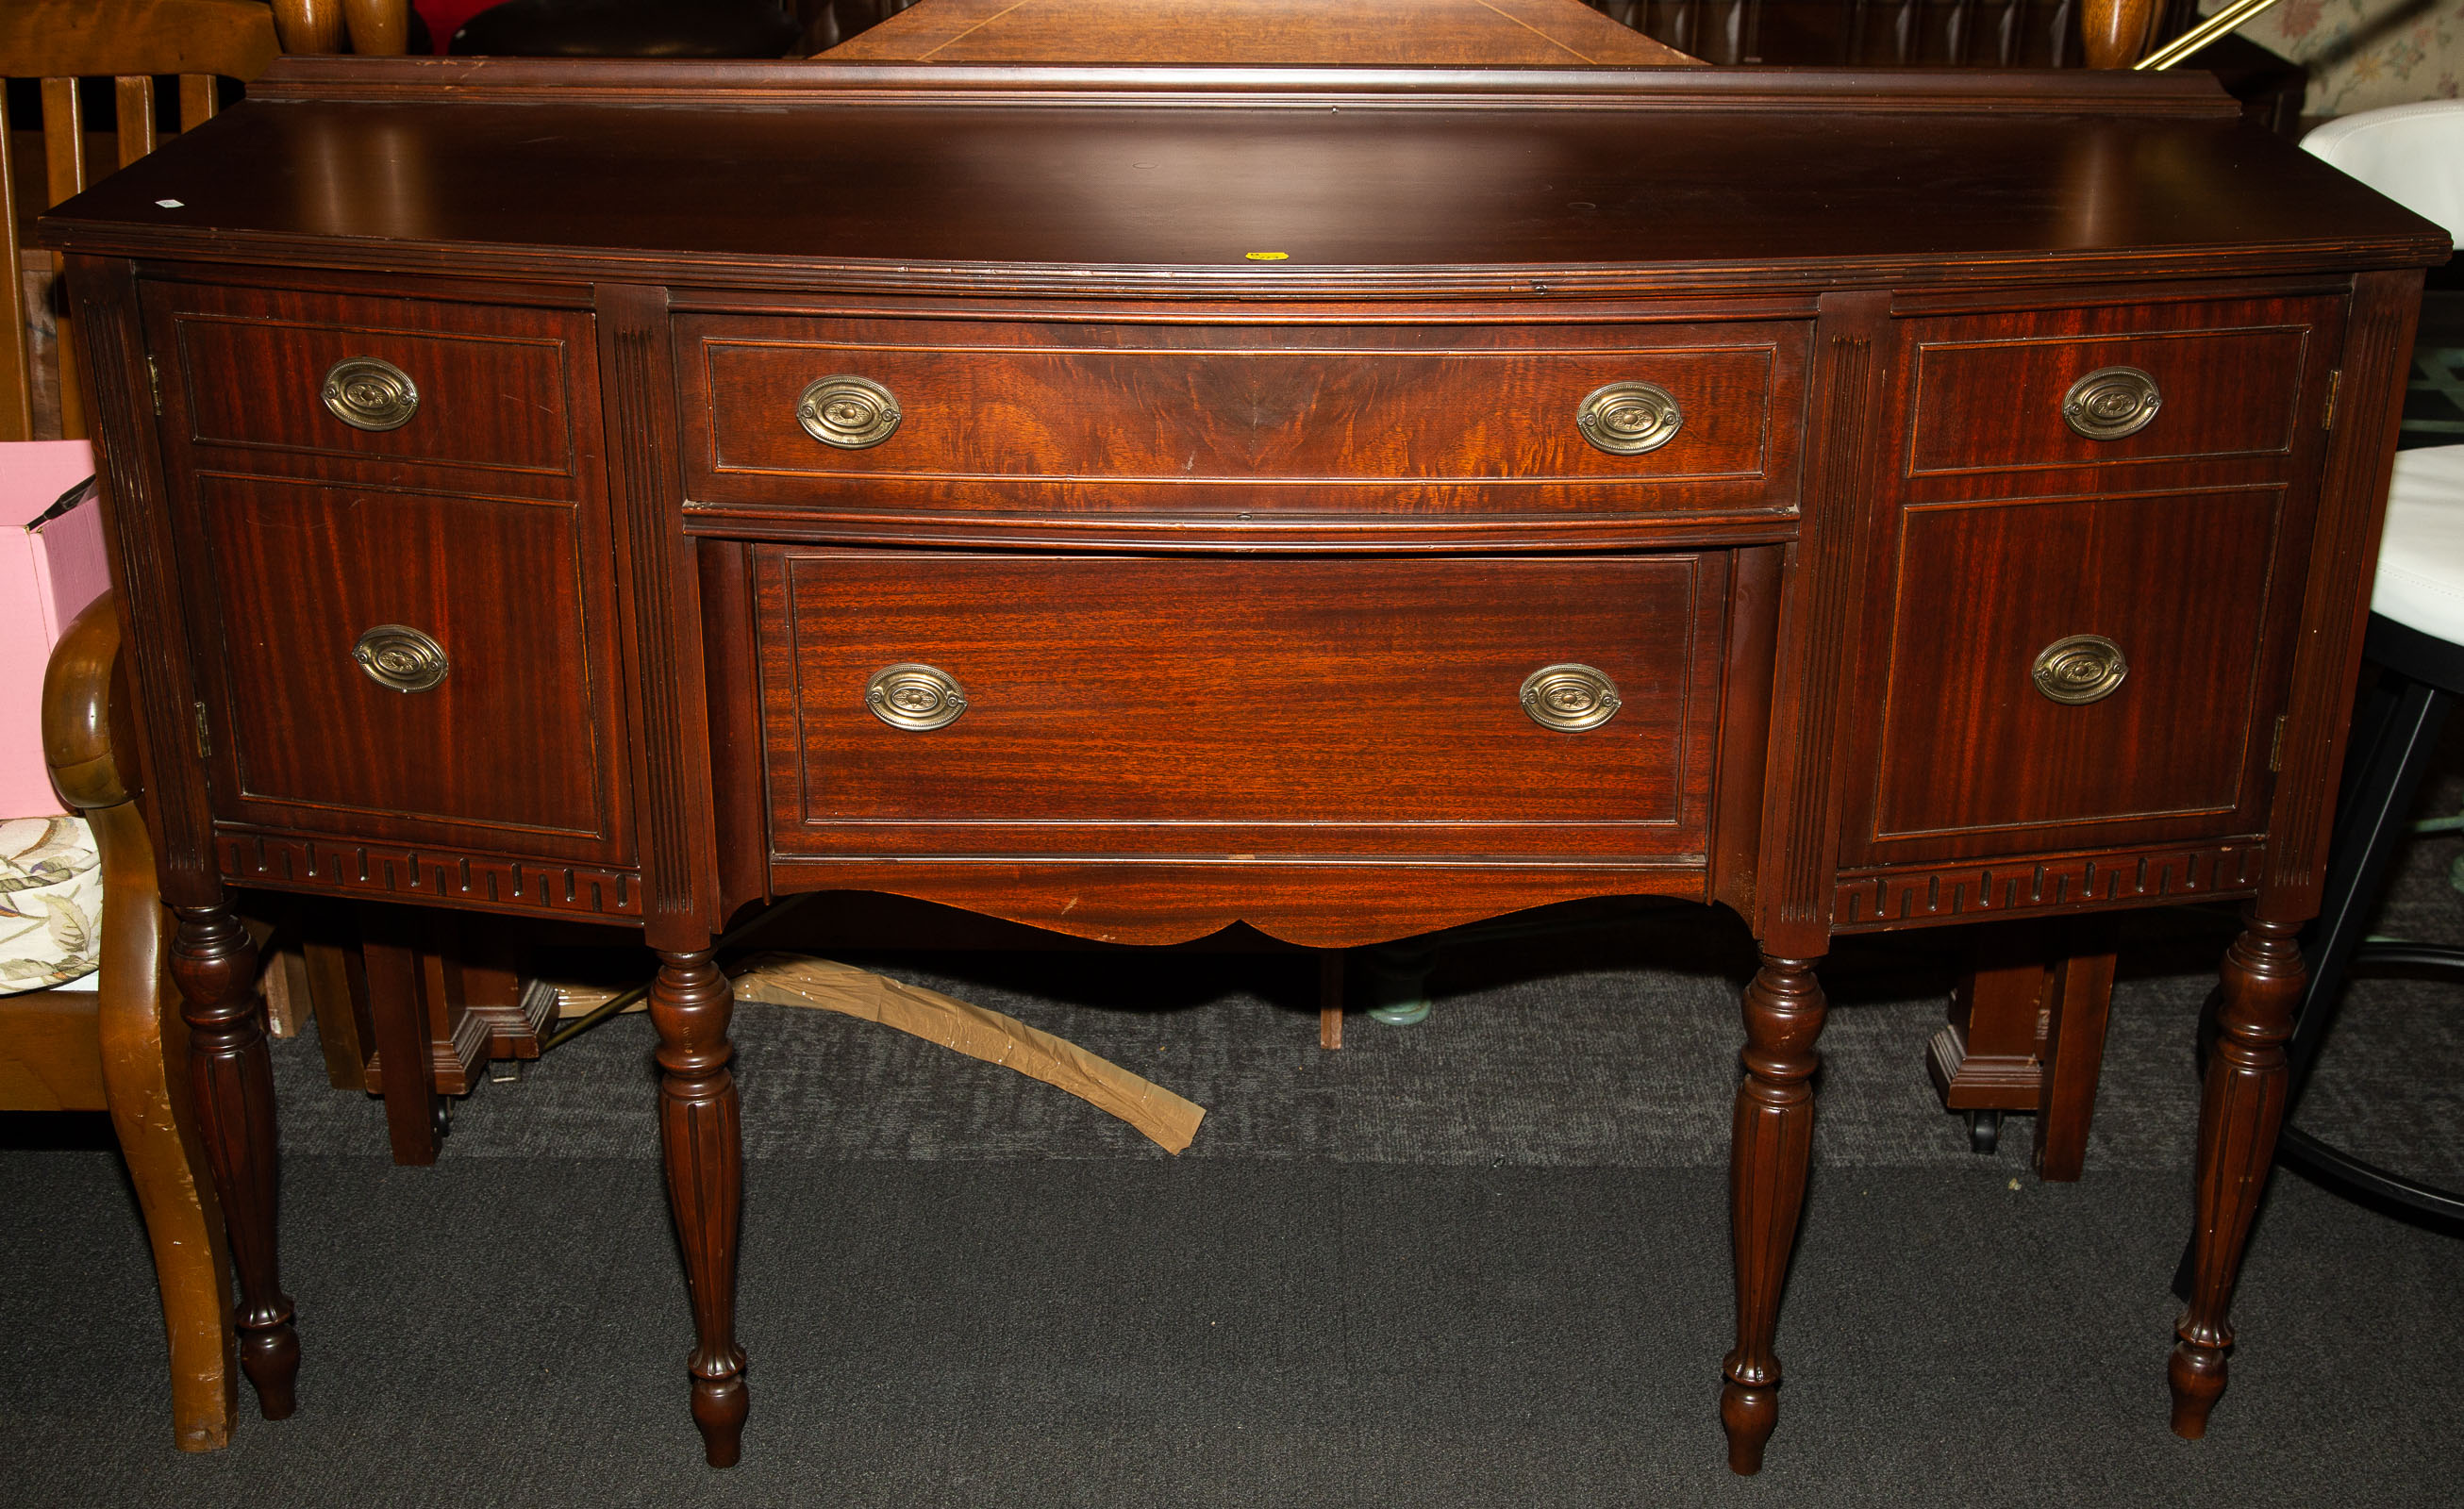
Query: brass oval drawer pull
x: 401, y: 657
x: 910, y: 696
x: 848, y: 411
x: 2110, y: 402
x: 1569, y: 697
x: 366, y: 393
x: 2082, y: 668
x: 1626, y: 418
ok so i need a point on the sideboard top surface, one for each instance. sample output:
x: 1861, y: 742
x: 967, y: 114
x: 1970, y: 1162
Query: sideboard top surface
x: 1244, y: 183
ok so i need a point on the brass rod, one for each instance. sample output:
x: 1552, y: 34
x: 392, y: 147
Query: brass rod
x: 616, y: 1003
x: 2197, y: 37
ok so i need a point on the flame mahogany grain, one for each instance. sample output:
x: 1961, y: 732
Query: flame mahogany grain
x: 1238, y: 484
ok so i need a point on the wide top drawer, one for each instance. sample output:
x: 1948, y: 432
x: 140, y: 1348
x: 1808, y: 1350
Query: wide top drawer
x: 882, y: 413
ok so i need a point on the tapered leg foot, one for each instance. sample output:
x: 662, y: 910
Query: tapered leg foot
x: 269, y: 1354
x: 2241, y: 1109
x: 2197, y: 1376
x: 213, y: 963
x: 1749, y: 1415
x: 1774, y: 1138
x: 719, y: 1406
x: 700, y: 1130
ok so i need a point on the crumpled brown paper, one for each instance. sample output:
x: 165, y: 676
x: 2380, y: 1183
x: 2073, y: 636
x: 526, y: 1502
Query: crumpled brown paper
x: 795, y: 979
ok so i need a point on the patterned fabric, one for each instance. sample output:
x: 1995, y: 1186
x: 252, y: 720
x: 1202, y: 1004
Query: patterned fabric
x: 2366, y: 54
x: 51, y: 902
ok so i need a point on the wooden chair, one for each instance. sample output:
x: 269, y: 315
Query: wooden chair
x: 130, y: 42
x: 123, y: 1047
x: 59, y: 42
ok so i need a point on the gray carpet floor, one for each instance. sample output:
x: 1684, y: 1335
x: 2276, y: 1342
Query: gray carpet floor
x: 1477, y: 1261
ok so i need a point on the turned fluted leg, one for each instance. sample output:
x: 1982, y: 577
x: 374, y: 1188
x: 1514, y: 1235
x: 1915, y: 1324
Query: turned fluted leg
x: 213, y: 963
x: 2241, y: 1108
x: 699, y: 1129
x: 1774, y: 1136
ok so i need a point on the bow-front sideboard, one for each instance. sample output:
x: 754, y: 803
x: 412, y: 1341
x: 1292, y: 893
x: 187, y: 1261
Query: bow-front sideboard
x: 1349, y: 501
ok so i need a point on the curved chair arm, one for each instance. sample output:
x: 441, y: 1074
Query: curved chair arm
x: 87, y: 744
x: 77, y: 699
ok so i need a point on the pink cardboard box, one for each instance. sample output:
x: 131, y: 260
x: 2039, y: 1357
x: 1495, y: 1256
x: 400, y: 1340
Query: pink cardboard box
x: 51, y: 567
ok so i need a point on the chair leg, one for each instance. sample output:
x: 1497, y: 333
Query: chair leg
x: 2370, y: 830
x: 145, y: 1081
x: 2078, y: 1008
x: 414, y: 1112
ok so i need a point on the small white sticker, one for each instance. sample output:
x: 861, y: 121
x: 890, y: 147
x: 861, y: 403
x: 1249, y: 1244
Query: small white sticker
x: 169, y: 204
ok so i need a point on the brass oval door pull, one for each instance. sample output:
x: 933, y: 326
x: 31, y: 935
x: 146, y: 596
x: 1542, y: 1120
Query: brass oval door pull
x: 848, y: 411
x: 1626, y: 418
x: 366, y: 393
x: 1569, y: 697
x: 401, y: 657
x: 2110, y: 402
x: 910, y: 696
x: 2081, y: 669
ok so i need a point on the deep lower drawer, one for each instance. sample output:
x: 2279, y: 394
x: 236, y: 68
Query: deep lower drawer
x: 951, y: 705
x: 879, y: 415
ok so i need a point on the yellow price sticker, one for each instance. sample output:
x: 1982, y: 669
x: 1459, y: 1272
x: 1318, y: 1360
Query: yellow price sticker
x: 1270, y: 256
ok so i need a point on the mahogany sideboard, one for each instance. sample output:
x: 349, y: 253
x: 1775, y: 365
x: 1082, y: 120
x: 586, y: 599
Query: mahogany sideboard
x: 1349, y: 501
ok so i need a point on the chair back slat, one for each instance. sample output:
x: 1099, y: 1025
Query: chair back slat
x: 198, y: 100
x: 16, y: 379
x: 133, y: 108
x: 63, y: 141
x: 64, y: 176
x: 131, y: 42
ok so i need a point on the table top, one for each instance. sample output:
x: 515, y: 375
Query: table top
x: 1232, y: 183
x: 1501, y: 33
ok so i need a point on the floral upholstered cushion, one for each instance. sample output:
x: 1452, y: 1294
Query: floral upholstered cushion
x: 2365, y: 54
x: 51, y: 902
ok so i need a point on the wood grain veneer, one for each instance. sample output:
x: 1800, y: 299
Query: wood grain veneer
x: 1421, y: 33
x: 1294, y: 419
x: 1237, y: 484
x: 1119, y: 705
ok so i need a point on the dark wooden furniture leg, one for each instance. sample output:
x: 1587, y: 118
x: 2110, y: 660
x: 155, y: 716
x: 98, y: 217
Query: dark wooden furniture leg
x: 214, y: 962
x: 1329, y: 998
x: 2078, y: 1003
x: 2001, y: 1050
x: 701, y: 1131
x: 400, y: 1069
x: 1984, y: 1060
x: 2240, y: 1111
x: 1774, y: 1136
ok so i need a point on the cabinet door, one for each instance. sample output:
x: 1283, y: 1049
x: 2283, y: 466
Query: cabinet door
x: 394, y: 535
x: 2088, y: 563
x: 403, y: 664
x: 2077, y: 663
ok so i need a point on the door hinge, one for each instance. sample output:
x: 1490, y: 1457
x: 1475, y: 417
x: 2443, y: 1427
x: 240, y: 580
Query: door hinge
x: 2335, y: 381
x: 2276, y: 749
x: 205, y: 734
x: 154, y: 384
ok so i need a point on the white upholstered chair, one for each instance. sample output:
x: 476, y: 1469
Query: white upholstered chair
x: 2414, y: 154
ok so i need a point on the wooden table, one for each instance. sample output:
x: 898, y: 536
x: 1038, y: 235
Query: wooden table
x: 1133, y: 501
x: 1422, y: 34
